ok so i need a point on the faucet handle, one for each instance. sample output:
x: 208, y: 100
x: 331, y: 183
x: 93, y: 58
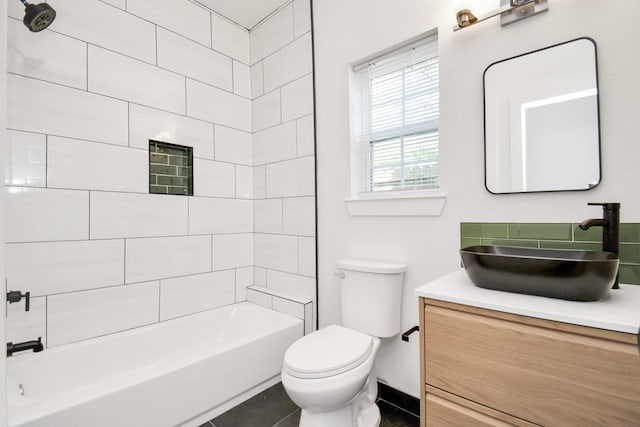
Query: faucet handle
x: 607, y: 205
x: 16, y: 296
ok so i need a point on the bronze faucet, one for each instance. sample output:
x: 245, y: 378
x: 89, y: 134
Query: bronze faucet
x: 610, y: 224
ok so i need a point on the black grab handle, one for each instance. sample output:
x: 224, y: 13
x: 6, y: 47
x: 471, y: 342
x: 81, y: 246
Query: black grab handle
x: 405, y: 336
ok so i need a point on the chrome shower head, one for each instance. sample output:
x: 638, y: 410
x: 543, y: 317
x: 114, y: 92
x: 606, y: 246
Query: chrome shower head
x: 37, y: 17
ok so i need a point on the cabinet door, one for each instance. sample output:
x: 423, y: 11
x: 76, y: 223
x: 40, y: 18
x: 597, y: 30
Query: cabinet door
x: 444, y: 413
x: 545, y: 376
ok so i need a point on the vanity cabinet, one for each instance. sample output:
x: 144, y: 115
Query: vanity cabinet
x: 482, y: 367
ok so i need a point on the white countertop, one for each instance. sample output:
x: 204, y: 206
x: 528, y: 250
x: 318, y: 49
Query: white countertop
x: 620, y: 311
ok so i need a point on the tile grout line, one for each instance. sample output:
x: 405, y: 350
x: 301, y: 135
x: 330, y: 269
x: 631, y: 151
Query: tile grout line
x: 286, y: 417
x: 398, y: 407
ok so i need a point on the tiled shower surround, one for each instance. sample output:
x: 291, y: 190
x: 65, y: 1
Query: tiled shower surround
x: 97, y: 251
x: 558, y: 236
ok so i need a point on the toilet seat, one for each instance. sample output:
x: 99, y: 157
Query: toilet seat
x: 327, y: 352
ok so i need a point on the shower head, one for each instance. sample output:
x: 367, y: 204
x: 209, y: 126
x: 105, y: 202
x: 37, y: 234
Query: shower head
x: 37, y: 17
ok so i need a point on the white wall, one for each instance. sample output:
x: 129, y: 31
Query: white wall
x: 98, y: 253
x: 346, y: 32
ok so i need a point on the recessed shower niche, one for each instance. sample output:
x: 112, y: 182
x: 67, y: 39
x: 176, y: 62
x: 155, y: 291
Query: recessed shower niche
x: 170, y: 169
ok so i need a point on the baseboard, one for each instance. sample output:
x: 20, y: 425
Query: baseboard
x: 397, y: 398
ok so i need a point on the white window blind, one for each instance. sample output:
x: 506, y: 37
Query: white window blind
x: 395, y: 111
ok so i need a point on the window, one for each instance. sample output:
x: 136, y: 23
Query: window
x: 395, y: 112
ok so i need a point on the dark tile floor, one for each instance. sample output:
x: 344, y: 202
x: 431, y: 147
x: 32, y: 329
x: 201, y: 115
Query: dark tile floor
x: 273, y: 408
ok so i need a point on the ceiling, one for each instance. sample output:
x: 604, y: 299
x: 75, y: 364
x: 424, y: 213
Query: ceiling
x: 246, y: 13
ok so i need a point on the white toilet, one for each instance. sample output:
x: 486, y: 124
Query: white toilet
x: 328, y: 373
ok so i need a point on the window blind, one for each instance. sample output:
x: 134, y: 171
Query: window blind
x: 394, y: 118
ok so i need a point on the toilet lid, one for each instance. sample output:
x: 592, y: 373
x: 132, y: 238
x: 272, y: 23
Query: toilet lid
x: 326, y: 352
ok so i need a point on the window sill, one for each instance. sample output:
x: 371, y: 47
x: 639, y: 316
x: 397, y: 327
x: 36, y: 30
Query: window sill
x: 431, y: 204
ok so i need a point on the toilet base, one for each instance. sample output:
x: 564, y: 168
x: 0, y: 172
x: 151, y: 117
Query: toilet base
x: 360, y: 412
x: 342, y: 417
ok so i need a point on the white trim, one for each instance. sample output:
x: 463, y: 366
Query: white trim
x: 420, y: 204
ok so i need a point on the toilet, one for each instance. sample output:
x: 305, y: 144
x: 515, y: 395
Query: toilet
x: 328, y: 373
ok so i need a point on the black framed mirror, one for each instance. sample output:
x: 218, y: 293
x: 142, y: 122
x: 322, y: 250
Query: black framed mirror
x: 541, y: 116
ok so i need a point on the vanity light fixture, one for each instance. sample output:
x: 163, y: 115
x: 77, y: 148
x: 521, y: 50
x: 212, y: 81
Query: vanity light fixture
x: 510, y: 11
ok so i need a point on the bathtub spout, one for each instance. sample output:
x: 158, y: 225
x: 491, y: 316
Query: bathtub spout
x: 36, y: 346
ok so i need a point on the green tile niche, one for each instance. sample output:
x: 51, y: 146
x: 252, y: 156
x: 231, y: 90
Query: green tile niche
x: 170, y: 169
x: 557, y: 236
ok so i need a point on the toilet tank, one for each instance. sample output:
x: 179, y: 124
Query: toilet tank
x: 371, y: 294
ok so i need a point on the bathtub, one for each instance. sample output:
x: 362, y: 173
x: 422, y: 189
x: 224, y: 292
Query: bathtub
x: 178, y: 372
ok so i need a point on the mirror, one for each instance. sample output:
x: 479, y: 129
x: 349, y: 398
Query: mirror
x: 541, y: 118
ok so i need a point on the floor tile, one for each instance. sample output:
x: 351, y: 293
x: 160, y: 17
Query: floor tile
x: 292, y: 420
x: 265, y: 409
x: 392, y: 416
x: 273, y: 408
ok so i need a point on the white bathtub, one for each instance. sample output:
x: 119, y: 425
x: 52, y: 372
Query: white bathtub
x: 177, y: 372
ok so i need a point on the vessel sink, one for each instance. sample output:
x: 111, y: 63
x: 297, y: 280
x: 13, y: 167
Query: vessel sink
x: 576, y: 275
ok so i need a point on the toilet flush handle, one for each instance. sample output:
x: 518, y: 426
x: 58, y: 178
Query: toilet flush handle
x: 340, y: 274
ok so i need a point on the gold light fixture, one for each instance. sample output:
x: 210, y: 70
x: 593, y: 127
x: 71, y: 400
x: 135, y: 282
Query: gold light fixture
x: 510, y: 11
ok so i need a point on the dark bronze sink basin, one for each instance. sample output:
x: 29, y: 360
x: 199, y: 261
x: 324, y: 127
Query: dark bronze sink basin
x: 574, y: 275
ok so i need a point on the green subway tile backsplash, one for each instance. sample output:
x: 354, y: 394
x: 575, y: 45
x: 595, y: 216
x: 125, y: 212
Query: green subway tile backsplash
x: 629, y: 274
x: 465, y: 242
x: 630, y: 253
x: 177, y: 190
x: 505, y: 242
x: 557, y: 236
x: 594, y: 234
x: 630, y: 232
x: 159, y: 158
x: 177, y: 181
x: 163, y: 169
x: 179, y: 161
x: 480, y: 229
x: 570, y: 245
x: 539, y: 231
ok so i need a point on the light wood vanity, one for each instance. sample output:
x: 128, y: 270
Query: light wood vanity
x: 491, y: 358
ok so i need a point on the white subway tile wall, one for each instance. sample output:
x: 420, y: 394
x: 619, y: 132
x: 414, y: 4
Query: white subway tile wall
x: 81, y: 315
x: 26, y: 154
x: 230, y: 40
x: 215, y: 179
x: 244, y: 279
x: 66, y: 58
x: 272, y: 35
x: 267, y: 110
x: 257, y: 82
x: 267, y: 216
x: 287, y: 64
x: 213, y: 289
x: 193, y: 60
x: 86, y: 165
x: 46, y: 268
x: 149, y: 123
x: 217, y: 105
x: 37, y: 214
x: 241, y: 79
x: 132, y: 80
x: 115, y: 215
x: 233, y: 146
x: 275, y: 143
x: 98, y: 253
x: 41, y: 107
